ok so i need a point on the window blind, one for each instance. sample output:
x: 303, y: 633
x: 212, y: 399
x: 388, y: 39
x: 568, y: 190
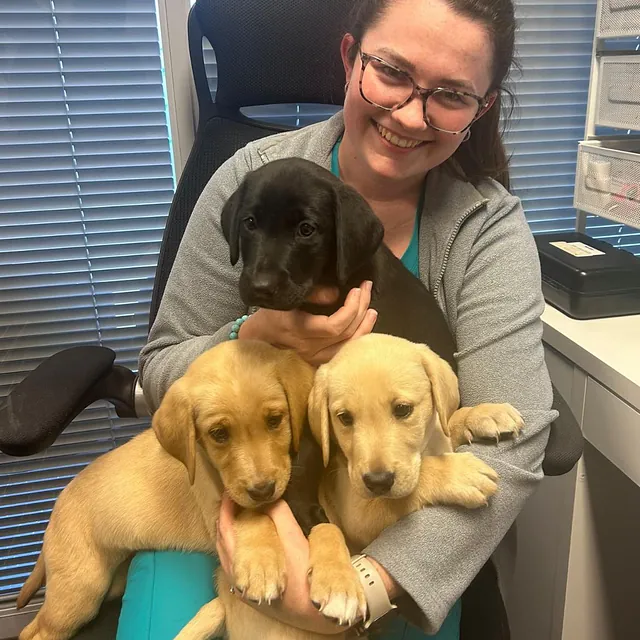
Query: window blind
x: 554, y: 46
x: 86, y: 180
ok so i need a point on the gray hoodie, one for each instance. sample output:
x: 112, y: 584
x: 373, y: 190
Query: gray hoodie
x: 477, y: 255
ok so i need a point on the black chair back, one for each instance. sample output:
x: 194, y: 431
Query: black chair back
x: 267, y: 53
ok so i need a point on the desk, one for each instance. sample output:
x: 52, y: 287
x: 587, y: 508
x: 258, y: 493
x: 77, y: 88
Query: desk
x: 578, y: 569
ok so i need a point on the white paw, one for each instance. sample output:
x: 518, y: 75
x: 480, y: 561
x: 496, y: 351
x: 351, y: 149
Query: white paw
x: 260, y: 579
x: 336, y: 592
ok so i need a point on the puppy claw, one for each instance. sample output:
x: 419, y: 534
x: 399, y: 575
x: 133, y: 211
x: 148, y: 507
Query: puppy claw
x: 472, y: 482
x: 337, y: 593
x: 493, y: 422
x: 260, y: 579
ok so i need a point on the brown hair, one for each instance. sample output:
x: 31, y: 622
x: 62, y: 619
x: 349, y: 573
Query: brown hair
x: 483, y: 155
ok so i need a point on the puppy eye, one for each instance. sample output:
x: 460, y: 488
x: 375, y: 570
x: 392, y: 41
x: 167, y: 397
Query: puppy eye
x: 402, y: 410
x: 273, y: 421
x: 306, y: 229
x: 220, y: 435
x: 346, y: 417
x: 250, y: 223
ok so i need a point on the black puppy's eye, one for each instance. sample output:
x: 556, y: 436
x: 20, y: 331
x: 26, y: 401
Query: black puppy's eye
x: 305, y: 229
x: 274, y: 420
x: 402, y: 410
x: 346, y: 417
x: 250, y: 223
x: 220, y: 435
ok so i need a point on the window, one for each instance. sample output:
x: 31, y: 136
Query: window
x: 87, y: 180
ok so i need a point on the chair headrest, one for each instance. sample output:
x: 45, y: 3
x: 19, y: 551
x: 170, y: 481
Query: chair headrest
x: 276, y: 51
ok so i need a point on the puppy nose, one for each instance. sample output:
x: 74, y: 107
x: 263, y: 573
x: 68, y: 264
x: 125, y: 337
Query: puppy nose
x: 379, y: 482
x: 262, y: 491
x: 264, y: 284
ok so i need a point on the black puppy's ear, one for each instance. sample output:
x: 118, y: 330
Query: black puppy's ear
x: 359, y: 232
x: 230, y: 221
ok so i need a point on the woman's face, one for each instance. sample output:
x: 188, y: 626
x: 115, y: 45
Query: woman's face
x: 439, y: 48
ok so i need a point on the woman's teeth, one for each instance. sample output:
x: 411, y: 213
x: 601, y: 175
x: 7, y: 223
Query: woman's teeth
x: 404, y: 143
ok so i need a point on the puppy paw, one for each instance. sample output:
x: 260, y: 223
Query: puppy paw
x: 336, y: 592
x: 490, y: 422
x: 471, y: 482
x: 260, y: 577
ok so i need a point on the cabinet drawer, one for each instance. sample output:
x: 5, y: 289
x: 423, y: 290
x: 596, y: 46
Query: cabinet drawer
x: 613, y: 427
x: 618, y: 18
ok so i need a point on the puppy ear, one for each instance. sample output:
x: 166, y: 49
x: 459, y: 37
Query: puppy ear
x: 296, y: 376
x: 319, y: 419
x: 174, y: 426
x: 444, y: 386
x: 359, y: 232
x: 230, y: 221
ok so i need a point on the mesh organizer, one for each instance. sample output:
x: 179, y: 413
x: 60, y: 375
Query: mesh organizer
x: 618, y: 18
x: 618, y: 97
x: 608, y: 180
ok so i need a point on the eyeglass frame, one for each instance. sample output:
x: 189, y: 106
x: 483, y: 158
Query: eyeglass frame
x: 422, y: 92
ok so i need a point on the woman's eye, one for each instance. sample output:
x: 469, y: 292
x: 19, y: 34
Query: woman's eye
x: 346, y: 417
x: 220, y: 435
x: 451, y: 97
x: 274, y: 421
x: 250, y: 223
x: 306, y: 229
x: 402, y: 410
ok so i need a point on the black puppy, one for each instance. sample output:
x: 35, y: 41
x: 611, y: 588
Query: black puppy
x: 297, y: 226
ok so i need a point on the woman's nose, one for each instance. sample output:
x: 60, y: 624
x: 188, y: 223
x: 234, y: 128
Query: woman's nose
x: 411, y: 116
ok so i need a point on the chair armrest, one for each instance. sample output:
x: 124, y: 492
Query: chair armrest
x: 39, y: 408
x: 565, y: 440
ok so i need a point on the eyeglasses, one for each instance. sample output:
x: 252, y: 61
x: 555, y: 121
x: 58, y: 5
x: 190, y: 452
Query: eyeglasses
x: 385, y: 86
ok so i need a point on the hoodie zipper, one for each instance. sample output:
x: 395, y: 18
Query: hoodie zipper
x: 452, y: 237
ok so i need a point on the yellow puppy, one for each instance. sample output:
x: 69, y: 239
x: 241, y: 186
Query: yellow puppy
x: 230, y: 422
x: 385, y: 412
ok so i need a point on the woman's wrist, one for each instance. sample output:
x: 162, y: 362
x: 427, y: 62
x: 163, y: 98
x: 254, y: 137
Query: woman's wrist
x: 251, y: 328
x: 394, y: 590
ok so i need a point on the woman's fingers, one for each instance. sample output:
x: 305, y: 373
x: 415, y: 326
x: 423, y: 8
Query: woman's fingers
x: 286, y: 525
x: 225, y: 540
x: 323, y: 295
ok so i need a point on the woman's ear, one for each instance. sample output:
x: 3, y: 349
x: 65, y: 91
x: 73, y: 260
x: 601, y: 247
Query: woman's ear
x: 491, y: 98
x: 346, y: 47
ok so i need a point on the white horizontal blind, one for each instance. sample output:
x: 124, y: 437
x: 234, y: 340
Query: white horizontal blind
x: 86, y: 180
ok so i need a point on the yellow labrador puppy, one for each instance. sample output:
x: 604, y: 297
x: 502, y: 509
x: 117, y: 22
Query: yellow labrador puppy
x: 385, y: 412
x: 228, y: 422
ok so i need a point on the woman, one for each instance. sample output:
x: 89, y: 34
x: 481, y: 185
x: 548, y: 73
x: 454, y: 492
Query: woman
x: 430, y: 164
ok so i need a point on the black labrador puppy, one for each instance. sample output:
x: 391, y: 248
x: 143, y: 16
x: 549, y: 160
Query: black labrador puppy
x: 297, y: 225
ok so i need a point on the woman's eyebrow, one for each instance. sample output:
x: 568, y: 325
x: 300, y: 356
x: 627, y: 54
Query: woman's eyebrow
x: 395, y: 58
x: 400, y: 61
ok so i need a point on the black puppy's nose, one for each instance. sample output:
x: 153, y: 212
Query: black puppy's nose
x: 264, y: 284
x: 262, y: 491
x: 379, y: 482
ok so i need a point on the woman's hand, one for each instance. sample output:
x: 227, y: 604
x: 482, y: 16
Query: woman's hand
x: 315, y: 338
x: 295, y: 608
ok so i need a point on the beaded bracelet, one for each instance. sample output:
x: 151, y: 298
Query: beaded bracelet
x: 235, y: 327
